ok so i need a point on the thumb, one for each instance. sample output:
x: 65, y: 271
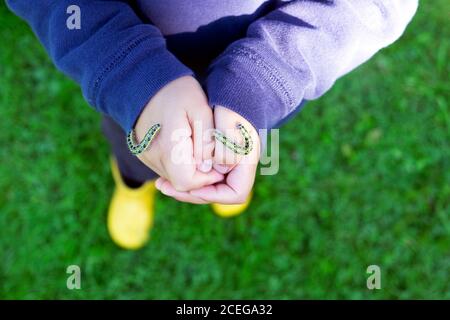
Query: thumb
x: 224, y: 158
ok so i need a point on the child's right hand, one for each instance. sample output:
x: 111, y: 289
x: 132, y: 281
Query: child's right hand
x: 240, y: 170
x: 182, y: 152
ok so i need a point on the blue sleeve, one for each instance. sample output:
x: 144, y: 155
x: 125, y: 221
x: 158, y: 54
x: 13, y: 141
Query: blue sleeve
x: 298, y: 51
x: 119, y: 61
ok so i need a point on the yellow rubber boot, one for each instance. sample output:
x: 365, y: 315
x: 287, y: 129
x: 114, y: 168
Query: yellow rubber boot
x: 231, y: 210
x: 131, y: 212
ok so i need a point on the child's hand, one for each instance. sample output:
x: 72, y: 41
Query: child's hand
x: 240, y: 170
x: 182, y: 151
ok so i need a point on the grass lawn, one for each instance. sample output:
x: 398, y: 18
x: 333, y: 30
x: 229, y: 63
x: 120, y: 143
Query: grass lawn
x: 364, y: 179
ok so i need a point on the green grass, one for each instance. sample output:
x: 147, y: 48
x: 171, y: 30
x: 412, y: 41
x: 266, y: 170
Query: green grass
x: 364, y: 179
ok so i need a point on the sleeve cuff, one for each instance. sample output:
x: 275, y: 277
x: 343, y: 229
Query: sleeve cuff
x: 244, y: 83
x: 134, y: 76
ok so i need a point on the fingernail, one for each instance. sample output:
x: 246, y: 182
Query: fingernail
x: 220, y: 168
x: 206, y: 166
x: 158, y: 184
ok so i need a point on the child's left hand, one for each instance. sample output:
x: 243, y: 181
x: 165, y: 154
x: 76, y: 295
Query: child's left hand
x: 240, y: 170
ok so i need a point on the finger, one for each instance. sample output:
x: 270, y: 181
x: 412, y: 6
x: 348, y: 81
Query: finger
x: 220, y: 193
x: 181, y: 169
x: 224, y: 158
x: 223, y: 169
x: 201, y: 179
x: 202, y: 124
x: 185, y: 178
x: 166, y: 188
x: 208, y: 153
x: 235, y: 190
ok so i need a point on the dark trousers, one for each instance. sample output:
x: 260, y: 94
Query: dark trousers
x: 131, y: 168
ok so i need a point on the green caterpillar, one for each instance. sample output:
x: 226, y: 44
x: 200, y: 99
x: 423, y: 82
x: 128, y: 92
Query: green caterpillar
x: 138, y: 148
x: 233, y: 146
